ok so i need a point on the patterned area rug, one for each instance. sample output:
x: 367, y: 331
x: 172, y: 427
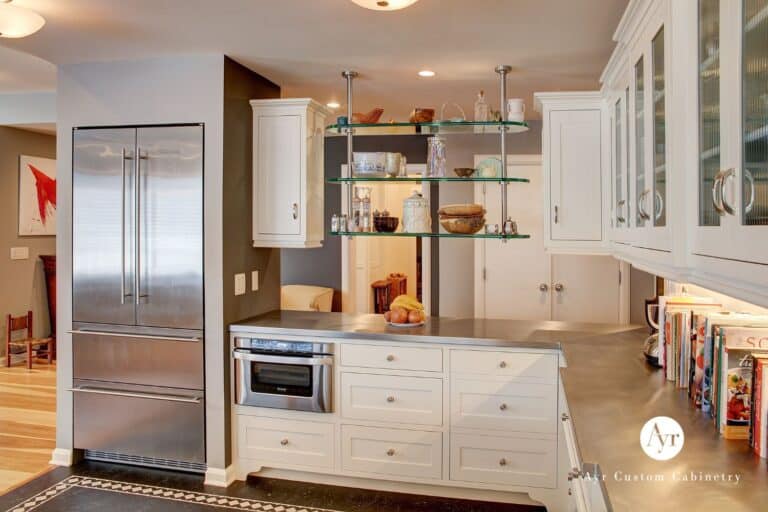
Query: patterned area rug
x: 59, y: 497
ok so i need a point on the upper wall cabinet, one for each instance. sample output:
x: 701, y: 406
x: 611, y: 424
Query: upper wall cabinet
x: 288, y: 173
x: 573, y: 168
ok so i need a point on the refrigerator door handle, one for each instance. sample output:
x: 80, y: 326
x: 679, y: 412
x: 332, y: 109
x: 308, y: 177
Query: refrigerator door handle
x: 123, y: 295
x: 141, y: 336
x: 137, y: 206
x: 134, y: 394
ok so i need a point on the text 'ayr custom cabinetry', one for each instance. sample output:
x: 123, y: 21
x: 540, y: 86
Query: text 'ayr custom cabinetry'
x: 424, y: 417
x: 288, y: 197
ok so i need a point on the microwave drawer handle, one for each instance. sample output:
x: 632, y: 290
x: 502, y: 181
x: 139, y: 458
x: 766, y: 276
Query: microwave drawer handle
x: 266, y: 358
x: 133, y: 394
x: 141, y: 336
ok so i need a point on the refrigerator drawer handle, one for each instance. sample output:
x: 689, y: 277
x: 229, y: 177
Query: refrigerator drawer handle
x: 265, y: 358
x: 133, y: 394
x: 142, y: 336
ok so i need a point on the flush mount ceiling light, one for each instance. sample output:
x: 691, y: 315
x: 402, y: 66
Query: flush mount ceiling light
x: 426, y: 73
x: 385, y: 5
x: 17, y: 21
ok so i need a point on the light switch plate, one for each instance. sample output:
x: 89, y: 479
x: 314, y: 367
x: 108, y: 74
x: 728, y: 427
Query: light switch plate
x: 19, y: 253
x: 254, y: 280
x: 239, y: 284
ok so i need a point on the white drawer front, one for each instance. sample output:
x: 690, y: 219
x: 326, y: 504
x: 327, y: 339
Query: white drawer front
x: 392, y: 398
x: 275, y: 441
x: 391, y: 452
x: 503, y: 405
x: 397, y: 358
x: 503, y: 460
x: 518, y: 365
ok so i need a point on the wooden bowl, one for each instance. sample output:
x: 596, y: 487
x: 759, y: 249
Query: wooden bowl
x: 463, y: 225
x: 464, y: 172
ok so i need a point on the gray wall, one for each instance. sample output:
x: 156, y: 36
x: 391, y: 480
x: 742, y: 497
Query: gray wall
x: 457, y: 256
x: 23, y: 281
x: 179, y: 89
x: 239, y: 256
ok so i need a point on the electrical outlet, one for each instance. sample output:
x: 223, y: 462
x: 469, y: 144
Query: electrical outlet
x: 255, y: 280
x: 239, y: 284
x: 19, y: 253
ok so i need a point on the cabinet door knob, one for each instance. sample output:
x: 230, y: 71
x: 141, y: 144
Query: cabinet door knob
x: 390, y: 452
x: 503, y: 462
x: 390, y: 358
x: 543, y: 287
x: 390, y: 399
x: 503, y: 364
x: 503, y: 407
x: 284, y: 442
x: 559, y: 287
x: 295, y: 211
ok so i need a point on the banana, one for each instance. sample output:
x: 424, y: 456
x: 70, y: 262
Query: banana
x: 407, y: 302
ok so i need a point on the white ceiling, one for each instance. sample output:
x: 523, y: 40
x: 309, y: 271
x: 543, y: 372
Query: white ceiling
x: 304, y: 44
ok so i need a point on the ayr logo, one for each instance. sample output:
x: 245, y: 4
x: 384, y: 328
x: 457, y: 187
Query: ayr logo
x: 662, y: 438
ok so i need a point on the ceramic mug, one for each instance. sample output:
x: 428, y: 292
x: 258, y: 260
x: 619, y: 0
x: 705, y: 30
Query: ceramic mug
x: 516, y: 109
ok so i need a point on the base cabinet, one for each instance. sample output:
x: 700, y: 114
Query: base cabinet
x: 475, y: 420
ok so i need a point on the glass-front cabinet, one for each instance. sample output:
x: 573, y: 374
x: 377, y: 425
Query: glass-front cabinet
x: 732, y: 195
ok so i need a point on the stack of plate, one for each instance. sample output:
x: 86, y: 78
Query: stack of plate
x: 465, y: 219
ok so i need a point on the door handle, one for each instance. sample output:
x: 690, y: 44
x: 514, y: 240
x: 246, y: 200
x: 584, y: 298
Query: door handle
x: 641, y: 205
x: 123, y: 295
x: 619, y: 207
x: 751, y: 180
x: 543, y: 287
x: 137, y: 220
x: 658, y: 205
x: 557, y: 216
x: 559, y: 287
x: 140, y: 336
x: 295, y: 211
x: 134, y: 394
x: 725, y: 205
x: 717, y: 193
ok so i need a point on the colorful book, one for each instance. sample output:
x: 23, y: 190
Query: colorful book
x: 758, y: 431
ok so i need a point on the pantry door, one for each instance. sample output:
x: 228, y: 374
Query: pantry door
x: 513, y: 278
x: 585, y: 288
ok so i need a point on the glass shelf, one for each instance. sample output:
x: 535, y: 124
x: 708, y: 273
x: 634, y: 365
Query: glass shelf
x: 435, y: 127
x: 419, y: 179
x: 430, y: 235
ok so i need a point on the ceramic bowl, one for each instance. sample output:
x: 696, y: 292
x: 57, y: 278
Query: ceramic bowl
x: 385, y: 224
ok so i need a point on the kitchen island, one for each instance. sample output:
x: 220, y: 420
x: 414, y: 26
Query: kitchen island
x: 604, y: 394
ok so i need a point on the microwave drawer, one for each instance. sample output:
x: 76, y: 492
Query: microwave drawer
x: 142, y: 421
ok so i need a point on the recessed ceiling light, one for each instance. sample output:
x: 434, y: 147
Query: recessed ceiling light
x: 17, y: 21
x: 426, y: 72
x: 385, y: 5
x: 332, y: 104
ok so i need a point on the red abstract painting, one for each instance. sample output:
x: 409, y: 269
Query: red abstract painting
x: 46, y: 191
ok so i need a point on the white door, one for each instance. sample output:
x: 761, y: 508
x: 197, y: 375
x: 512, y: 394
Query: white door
x: 279, y: 155
x: 514, y: 271
x: 576, y: 175
x: 585, y: 288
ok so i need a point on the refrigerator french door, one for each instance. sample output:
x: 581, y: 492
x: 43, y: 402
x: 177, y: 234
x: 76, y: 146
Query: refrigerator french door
x: 138, y: 294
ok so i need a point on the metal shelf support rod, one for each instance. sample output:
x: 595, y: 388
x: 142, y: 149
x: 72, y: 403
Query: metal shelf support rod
x: 503, y: 70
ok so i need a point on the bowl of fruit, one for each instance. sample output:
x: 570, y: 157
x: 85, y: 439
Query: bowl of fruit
x: 405, y: 311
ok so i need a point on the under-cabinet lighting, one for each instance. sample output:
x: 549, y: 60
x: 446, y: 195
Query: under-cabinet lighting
x: 333, y: 105
x: 426, y: 73
x: 385, y: 5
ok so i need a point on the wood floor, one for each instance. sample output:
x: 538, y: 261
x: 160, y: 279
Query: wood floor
x: 27, y: 422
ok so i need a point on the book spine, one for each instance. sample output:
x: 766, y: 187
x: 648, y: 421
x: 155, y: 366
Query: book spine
x: 756, y: 422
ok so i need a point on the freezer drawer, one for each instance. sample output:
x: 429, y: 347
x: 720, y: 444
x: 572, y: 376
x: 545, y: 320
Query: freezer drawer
x: 165, y: 361
x: 142, y: 421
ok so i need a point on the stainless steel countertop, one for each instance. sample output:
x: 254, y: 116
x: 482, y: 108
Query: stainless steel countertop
x: 611, y: 393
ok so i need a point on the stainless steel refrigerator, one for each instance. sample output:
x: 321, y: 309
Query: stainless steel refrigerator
x: 137, y: 338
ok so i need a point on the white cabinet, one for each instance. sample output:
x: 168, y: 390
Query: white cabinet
x: 288, y: 189
x: 298, y: 443
x: 573, y: 171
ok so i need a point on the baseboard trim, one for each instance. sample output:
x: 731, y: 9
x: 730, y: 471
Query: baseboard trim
x: 62, y: 457
x: 218, y: 477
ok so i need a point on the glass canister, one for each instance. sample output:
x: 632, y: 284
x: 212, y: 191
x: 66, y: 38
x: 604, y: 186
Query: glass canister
x: 436, y: 157
x: 416, y: 218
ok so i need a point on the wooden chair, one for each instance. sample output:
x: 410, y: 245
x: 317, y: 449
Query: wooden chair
x: 20, y: 323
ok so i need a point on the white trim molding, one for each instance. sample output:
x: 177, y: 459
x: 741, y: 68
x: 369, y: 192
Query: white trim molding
x: 62, y: 457
x: 218, y: 477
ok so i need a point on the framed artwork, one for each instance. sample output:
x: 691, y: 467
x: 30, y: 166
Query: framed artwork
x: 37, y: 196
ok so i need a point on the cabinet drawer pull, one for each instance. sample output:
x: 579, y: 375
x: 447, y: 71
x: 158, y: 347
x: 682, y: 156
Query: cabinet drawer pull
x: 503, y: 462
x: 390, y: 452
x: 284, y: 442
x: 503, y: 407
x: 390, y: 358
x: 390, y: 399
x: 503, y: 364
